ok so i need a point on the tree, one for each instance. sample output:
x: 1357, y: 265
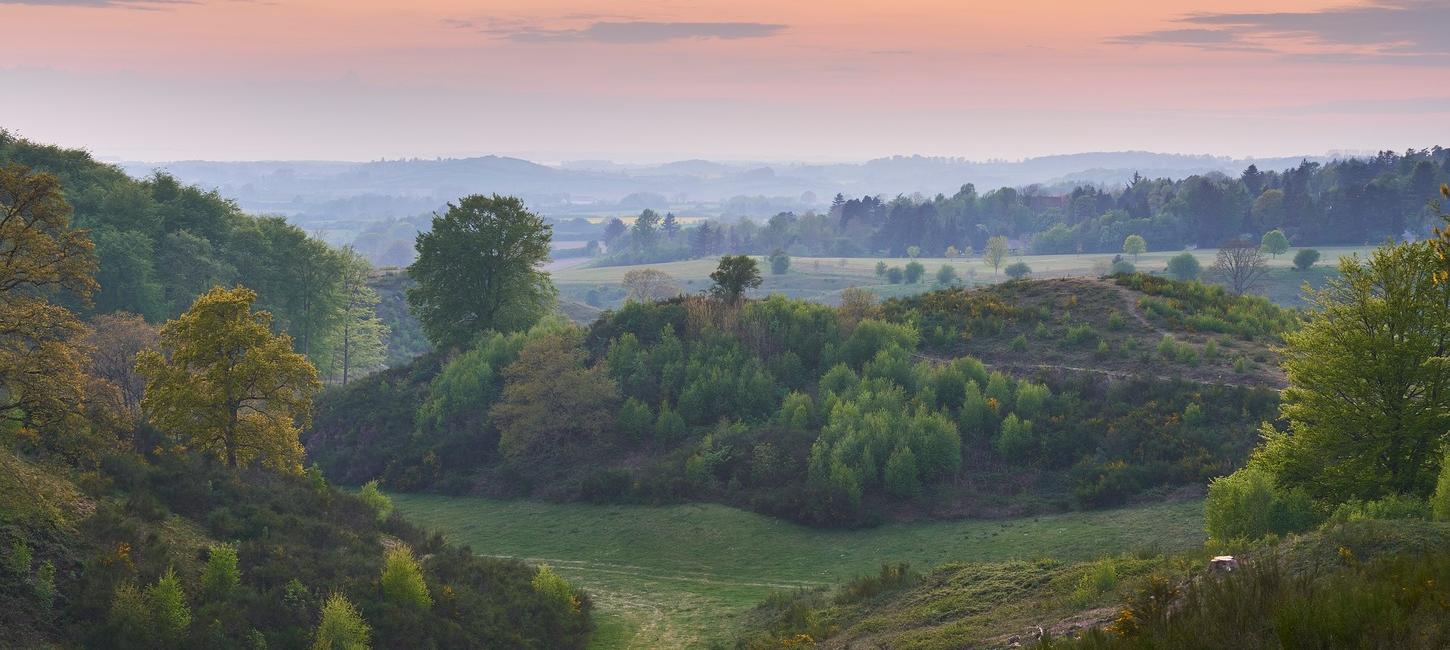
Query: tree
x: 1134, y: 245
x: 670, y: 226
x: 901, y: 478
x: 1368, y: 401
x: 913, y: 252
x: 169, y: 615
x: 1305, y: 258
x: 996, y: 252
x: 115, y: 389
x: 221, y: 574
x: 359, y: 339
x: 341, y: 628
x: 644, y: 234
x: 479, y: 269
x: 372, y: 496
x: 552, y: 404
x: 402, y: 579
x: 40, y: 256
x: 1018, y: 270
x: 1240, y: 264
x: 779, y: 262
x: 649, y: 285
x: 856, y: 304
x: 733, y: 276
x: 223, y: 383
x: 914, y: 272
x: 613, y: 231
x: 946, y: 275
x: 1275, y: 243
x: 1184, y: 267
x: 880, y: 269
x: 894, y: 275
x: 951, y: 252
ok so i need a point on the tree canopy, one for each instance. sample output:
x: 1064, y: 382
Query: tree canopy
x: 224, y: 384
x: 734, y: 275
x: 478, y: 269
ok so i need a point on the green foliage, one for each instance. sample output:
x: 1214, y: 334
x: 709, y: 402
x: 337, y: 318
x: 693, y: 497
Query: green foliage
x: 1305, y: 258
x: 1018, y: 270
x: 221, y: 575
x: 914, y: 272
x: 1387, y: 508
x: 1122, y: 267
x: 895, y: 275
x: 779, y: 262
x: 1031, y: 399
x: 1248, y: 504
x: 478, y: 269
x: 880, y: 269
x: 1184, y: 267
x: 1082, y: 336
x: 734, y: 275
x: 797, y: 411
x: 1275, y: 243
x: 946, y: 275
x: 1198, y: 307
x: 341, y: 627
x: 1018, y: 344
x: 1375, y: 332
x: 634, y: 420
x: 1099, y: 578
x: 372, y: 496
x: 167, y: 611
x: 901, y: 478
x: 554, y: 588
x: 669, y: 427
x: 1134, y: 245
x: 45, y: 589
x: 128, y: 619
x: 402, y: 579
x: 1016, y: 440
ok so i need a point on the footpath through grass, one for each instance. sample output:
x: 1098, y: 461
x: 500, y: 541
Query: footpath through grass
x: 683, y: 576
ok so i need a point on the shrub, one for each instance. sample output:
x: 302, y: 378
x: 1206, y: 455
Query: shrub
x: 1305, y: 258
x: 1123, y: 267
x: 1100, y: 577
x: 402, y: 579
x: 1115, y: 320
x: 1390, y: 507
x: 914, y: 272
x: 1019, y: 344
x: 1017, y: 270
x: 1031, y: 398
x: 169, y: 615
x: 221, y: 575
x: 880, y: 269
x: 554, y: 587
x: 946, y: 275
x: 341, y: 628
x: 1082, y: 336
x: 1184, y: 267
x: 670, y: 426
x: 1248, y: 505
x: 634, y: 420
x: 127, y: 622
x: 379, y: 503
x: 779, y: 262
x: 895, y: 275
x: 1016, y: 439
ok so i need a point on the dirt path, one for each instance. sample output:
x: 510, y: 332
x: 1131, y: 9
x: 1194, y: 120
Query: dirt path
x: 1130, y: 303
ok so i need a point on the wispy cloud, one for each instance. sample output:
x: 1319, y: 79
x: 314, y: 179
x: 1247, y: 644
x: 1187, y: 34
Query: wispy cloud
x: 1386, y: 31
x: 636, y: 32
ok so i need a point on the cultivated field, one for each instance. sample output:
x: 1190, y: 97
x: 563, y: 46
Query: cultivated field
x: 823, y: 278
x: 684, y: 576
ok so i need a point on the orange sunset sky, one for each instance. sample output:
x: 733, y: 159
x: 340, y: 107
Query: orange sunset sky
x: 743, y: 79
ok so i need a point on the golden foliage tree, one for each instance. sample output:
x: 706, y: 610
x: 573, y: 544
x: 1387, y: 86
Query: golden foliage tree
x: 115, y: 388
x: 223, y: 383
x: 649, y: 285
x: 41, y: 256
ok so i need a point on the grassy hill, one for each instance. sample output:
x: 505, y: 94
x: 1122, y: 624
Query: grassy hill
x: 1359, y: 584
x: 687, y: 575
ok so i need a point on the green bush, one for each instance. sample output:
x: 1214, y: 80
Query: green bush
x: 1248, y: 505
x: 1184, y: 267
x: 555, y: 589
x: 373, y: 497
x: 635, y: 422
x: 1015, y: 441
x: 168, y: 613
x: 1017, y: 270
x: 669, y: 426
x: 1440, y: 500
x: 342, y: 627
x: 221, y: 575
x: 1390, y: 507
x: 1305, y: 258
x: 914, y: 272
x: 1082, y: 336
x: 901, y: 475
x: 402, y: 579
x: 1018, y: 344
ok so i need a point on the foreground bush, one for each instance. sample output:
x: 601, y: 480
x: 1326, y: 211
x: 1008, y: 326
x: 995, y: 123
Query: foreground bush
x: 1248, y: 505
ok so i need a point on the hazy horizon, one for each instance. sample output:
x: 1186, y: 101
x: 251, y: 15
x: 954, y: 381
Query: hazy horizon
x: 652, y: 81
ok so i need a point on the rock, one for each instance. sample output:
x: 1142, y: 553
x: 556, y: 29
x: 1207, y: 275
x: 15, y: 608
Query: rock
x: 1223, y: 564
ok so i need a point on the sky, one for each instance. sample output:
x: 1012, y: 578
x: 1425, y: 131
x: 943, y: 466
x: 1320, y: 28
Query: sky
x: 655, y: 80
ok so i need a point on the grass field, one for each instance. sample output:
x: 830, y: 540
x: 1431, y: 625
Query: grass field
x: 822, y: 279
x: 684, y: 576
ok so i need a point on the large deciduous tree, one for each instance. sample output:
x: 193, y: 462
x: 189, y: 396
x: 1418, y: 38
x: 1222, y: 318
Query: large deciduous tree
x: 649, y: 285
x: 1240, y: 264
x: 478, y: 269
x: 996, y: 252
x: 552, y: 404
x: 733, y: 276
x: 358, y: 342
x: 223, y: 383
x: 115, y: 389
x: 41, y: 257
x: 1368, y: 402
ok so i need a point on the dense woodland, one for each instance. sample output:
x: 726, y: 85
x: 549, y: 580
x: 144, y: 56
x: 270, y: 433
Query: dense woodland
x: 152, y: 484
x: 1347, y: 202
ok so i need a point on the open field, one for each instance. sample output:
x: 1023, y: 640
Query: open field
x: 822, y: 278
x: 684, y: 576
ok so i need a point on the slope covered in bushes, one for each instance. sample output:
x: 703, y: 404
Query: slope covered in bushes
x: 825, y: 415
